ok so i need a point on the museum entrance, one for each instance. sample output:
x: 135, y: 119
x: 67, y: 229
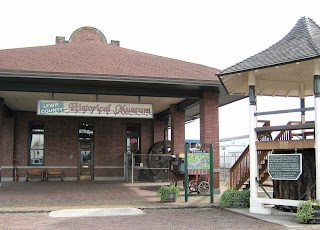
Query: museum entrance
x: 86, y: 151
x: 133, y: 153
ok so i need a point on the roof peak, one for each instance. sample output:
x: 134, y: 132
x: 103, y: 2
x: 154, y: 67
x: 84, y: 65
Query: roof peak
x: 301, y: 43
x: 86, y: 34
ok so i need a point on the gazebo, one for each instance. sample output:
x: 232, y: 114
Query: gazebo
x: 289, y: 68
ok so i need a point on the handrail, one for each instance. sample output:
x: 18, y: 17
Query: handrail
x: 284, y: 111
x: 285, y: 127
x: 240, y: 170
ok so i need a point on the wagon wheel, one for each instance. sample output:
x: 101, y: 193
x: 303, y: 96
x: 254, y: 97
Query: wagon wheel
x: 155, y: 160
x: 193, y: 186
x: 204, y: 187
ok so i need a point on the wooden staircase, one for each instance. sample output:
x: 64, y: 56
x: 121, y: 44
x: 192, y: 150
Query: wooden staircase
x: 240, y: 171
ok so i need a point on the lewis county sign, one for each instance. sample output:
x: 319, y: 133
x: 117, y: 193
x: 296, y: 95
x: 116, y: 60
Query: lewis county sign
x: 94, y: 109
x: 285, y: 166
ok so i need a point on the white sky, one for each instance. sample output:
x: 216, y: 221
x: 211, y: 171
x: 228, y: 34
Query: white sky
x: 209, y: 32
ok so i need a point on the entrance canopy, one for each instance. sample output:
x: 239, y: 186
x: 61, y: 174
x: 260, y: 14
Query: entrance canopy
x: 285, y: 69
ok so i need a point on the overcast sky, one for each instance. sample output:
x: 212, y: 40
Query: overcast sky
x: 209, y: 32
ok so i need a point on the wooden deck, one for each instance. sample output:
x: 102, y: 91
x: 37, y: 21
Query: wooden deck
x: 285, y: 145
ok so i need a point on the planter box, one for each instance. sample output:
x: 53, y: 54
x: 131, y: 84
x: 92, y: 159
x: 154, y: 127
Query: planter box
x: 171, y: 197
x: 316, y: 218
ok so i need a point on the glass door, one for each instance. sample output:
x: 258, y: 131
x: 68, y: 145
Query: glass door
x: 86, y: 153
x: 85, y: 165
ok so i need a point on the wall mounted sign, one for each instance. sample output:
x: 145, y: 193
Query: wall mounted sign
x: 94, y: 109
x: 285, y: 166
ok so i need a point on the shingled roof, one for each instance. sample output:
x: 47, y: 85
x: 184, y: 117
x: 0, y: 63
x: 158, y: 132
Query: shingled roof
x: 84, y: 54
x: 301, y: 43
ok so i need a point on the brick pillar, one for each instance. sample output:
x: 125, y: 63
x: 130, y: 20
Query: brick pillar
x: 177, y: 130
x: 209, y: 128
x: 160, y: 130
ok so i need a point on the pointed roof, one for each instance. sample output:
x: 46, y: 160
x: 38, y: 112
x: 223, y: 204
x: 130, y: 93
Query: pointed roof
x: 285, y: 69
x: 301, y: 43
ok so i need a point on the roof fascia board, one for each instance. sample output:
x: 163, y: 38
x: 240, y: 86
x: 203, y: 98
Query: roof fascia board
x: 111, y: 78
x: 221, y: 74
x: 100, y: 90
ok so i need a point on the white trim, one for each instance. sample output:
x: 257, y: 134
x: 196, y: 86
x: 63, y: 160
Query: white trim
x: 294, y: 203
x: 317, y: 144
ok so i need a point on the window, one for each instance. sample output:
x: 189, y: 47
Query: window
x: 86, y: 132
x: 36, y: 147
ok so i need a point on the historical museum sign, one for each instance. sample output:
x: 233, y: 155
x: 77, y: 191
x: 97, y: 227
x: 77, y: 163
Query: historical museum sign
x: 285, y: 166
x: 94, y: 109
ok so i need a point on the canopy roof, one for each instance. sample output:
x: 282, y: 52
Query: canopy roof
x: 284, y: 69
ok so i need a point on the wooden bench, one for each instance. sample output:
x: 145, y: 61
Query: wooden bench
x: 34, y: 173
x: 54, y: 173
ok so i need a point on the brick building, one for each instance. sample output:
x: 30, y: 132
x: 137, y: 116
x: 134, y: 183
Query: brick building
x: 80, y: 105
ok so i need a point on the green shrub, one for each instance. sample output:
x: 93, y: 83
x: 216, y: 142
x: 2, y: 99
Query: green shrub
x: 305, y: 212
x: 235, y: 198
x: 163, y: 192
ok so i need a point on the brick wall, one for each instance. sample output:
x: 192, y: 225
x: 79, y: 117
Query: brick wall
x: 62, y: 147
x: 7, y: 146
x: 159, y: 128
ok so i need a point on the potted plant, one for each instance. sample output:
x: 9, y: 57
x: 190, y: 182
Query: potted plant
x: 168, y: 193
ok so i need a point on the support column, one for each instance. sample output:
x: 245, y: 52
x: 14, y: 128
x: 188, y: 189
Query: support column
x: 209, y: 130
x: 177, y: 130
x: 160, y: 132
x: 302, y: 103
x: 1, y: 129
x: 317, y: 130
x: 255, y: 207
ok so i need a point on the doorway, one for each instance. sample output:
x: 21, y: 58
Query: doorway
x: 133, y: 153
x: 86, y: 151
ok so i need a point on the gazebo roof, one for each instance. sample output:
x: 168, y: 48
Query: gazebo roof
x: 284, y: 69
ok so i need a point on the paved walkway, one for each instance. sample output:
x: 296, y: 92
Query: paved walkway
x: 45, y: 197
x: 49, y: 196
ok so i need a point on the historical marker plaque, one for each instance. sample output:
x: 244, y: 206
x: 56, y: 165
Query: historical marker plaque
x: 285, y: 166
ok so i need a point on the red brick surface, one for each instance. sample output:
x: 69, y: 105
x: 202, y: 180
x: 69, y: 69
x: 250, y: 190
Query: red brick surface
x: 209, y: 127
x: 177, y: 130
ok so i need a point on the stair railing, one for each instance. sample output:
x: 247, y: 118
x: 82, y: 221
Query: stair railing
x: 240, y: 171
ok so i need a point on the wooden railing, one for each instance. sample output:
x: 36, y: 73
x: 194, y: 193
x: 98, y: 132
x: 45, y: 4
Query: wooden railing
x: 240, y: 171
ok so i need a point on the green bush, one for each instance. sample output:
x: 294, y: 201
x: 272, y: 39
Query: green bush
x: 163, y: 192
x: 305, y: 212
x: 235, y: 198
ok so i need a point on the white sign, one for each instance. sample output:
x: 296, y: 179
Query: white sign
x: 94, y: 109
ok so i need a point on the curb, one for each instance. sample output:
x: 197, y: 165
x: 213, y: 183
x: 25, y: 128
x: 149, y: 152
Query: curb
x: 141, y: 208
